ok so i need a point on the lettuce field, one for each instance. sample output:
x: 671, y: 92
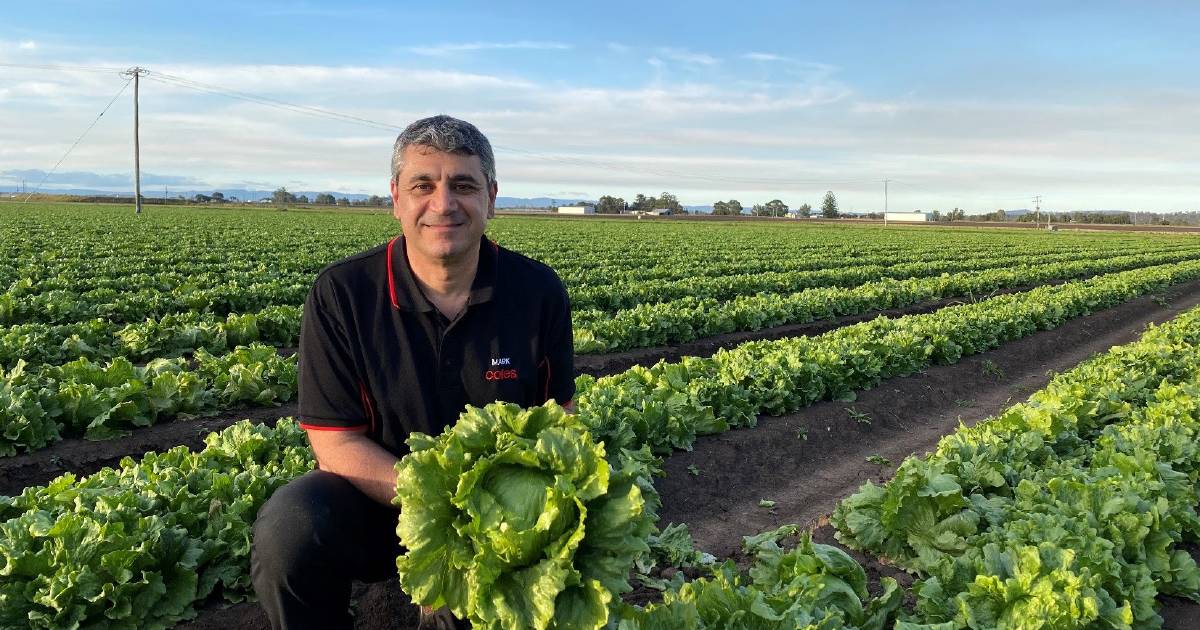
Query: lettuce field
x: 777, y: 425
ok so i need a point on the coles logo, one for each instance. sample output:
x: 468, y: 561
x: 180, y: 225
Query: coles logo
x: 500, y: 375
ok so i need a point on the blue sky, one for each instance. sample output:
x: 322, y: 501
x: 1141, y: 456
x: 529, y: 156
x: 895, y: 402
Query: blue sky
x: 969, y: 104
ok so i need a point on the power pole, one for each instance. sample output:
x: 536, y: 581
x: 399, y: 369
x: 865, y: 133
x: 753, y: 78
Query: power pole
x: 885, y: 201
x: 1037, y: 217
x: 136, y: 72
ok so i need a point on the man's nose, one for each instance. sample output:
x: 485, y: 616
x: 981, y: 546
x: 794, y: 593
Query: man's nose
x: 443, y: 199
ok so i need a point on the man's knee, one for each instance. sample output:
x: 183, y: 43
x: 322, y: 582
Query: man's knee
x: 297, y: 521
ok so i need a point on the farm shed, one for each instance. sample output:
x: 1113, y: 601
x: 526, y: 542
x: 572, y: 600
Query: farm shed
x: 581, y: 209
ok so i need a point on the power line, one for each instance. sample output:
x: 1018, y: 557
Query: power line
x: 77, y: 141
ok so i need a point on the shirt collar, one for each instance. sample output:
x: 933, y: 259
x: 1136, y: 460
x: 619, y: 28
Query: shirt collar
x: 406, y: 294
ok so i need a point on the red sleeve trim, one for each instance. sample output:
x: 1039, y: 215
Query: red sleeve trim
x: 318, y: 427
x: 391, y: 273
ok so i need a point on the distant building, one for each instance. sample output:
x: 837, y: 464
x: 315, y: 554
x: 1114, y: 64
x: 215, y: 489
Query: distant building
x: 580, y: 209
x: 912, y: 217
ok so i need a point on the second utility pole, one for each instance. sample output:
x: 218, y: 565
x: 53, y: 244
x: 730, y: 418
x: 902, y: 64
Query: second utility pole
x: 136, y: 72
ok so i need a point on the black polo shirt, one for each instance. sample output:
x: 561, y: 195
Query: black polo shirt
x: 375, y: 354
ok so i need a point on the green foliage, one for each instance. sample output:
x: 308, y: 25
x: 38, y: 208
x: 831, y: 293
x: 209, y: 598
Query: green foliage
x: 138, y: 546
x: 812, y: 586
x: 106, y: 400
x: 513, y: 518
x: 1062, y: 512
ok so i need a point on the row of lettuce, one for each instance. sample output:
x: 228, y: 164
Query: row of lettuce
x: 132, y: 298
x: 138, y: 546
x: 42, y: 404
x: 71, y: 246
x: 665, y: 405
x: 649, y: 324
x: 1072, y: 508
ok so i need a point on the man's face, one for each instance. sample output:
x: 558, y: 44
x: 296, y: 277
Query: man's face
x: 443, y: 202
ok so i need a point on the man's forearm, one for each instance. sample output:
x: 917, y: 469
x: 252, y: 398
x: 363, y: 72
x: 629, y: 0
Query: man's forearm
x: 363, y: 462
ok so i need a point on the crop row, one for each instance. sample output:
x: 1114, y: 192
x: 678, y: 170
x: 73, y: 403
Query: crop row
x: 137, y: 546
x: 98, y: 401
x: 1069, y: 508
x: 829, y: 256
x: 666, y: 406
x: 646, y: 325
x: 127, y: 298
x: 623, y: 296
x: 687, y: 319
x: 170, y: 336
x: 661, y: 408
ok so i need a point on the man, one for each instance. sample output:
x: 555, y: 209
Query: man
x: 399, y: 339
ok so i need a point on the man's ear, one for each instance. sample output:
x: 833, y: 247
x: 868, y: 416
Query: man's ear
x: 493, y: 189
x: 394, y: 188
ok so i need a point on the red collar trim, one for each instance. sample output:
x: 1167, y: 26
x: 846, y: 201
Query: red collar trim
x: 391, y: 273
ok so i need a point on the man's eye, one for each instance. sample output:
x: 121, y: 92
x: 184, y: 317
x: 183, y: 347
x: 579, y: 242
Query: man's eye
x: 423, y: 187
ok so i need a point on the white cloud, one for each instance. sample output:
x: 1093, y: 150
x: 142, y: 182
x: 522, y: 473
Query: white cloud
x: 757, y: 56
x: 447, y: 49
x: 27, y: 45
x: 688, y: 58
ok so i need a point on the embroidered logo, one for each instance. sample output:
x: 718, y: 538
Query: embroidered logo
x: 500, y: 375
x: 501, y: 361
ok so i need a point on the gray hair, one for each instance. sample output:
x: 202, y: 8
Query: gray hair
x: 448, y: 134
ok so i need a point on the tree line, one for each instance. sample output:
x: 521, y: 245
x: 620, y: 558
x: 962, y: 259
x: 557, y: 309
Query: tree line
x: 609, y: 204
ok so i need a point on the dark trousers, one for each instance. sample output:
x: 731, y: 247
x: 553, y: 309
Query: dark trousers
x: 312, y: 539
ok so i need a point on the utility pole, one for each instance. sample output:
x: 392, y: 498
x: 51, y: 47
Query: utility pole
x: 1037, y: 217
x: 136, y: 72
x: 885, y: 201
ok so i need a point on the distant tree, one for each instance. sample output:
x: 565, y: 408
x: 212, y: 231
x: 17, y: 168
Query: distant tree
x: 218, y: 196
x: 758, y: 210
x: 643, y: 203
x: 325, y: 199
x: 669, y: 202
x: 343, y: 202
x: 302, y: 199
x: 732, y: 207
x: 375, y: 201
x: 804, y: 210
x: 937, y: 215
x: 282, y: 196
x: 829, y: 206
x: 957, y: 214
x: 776, y: 208
x: 610, y: 205
x: 199, y: 198
x: 1000, y: 215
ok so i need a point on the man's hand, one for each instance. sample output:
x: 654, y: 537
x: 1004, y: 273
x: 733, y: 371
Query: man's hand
x: 364, y: 463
